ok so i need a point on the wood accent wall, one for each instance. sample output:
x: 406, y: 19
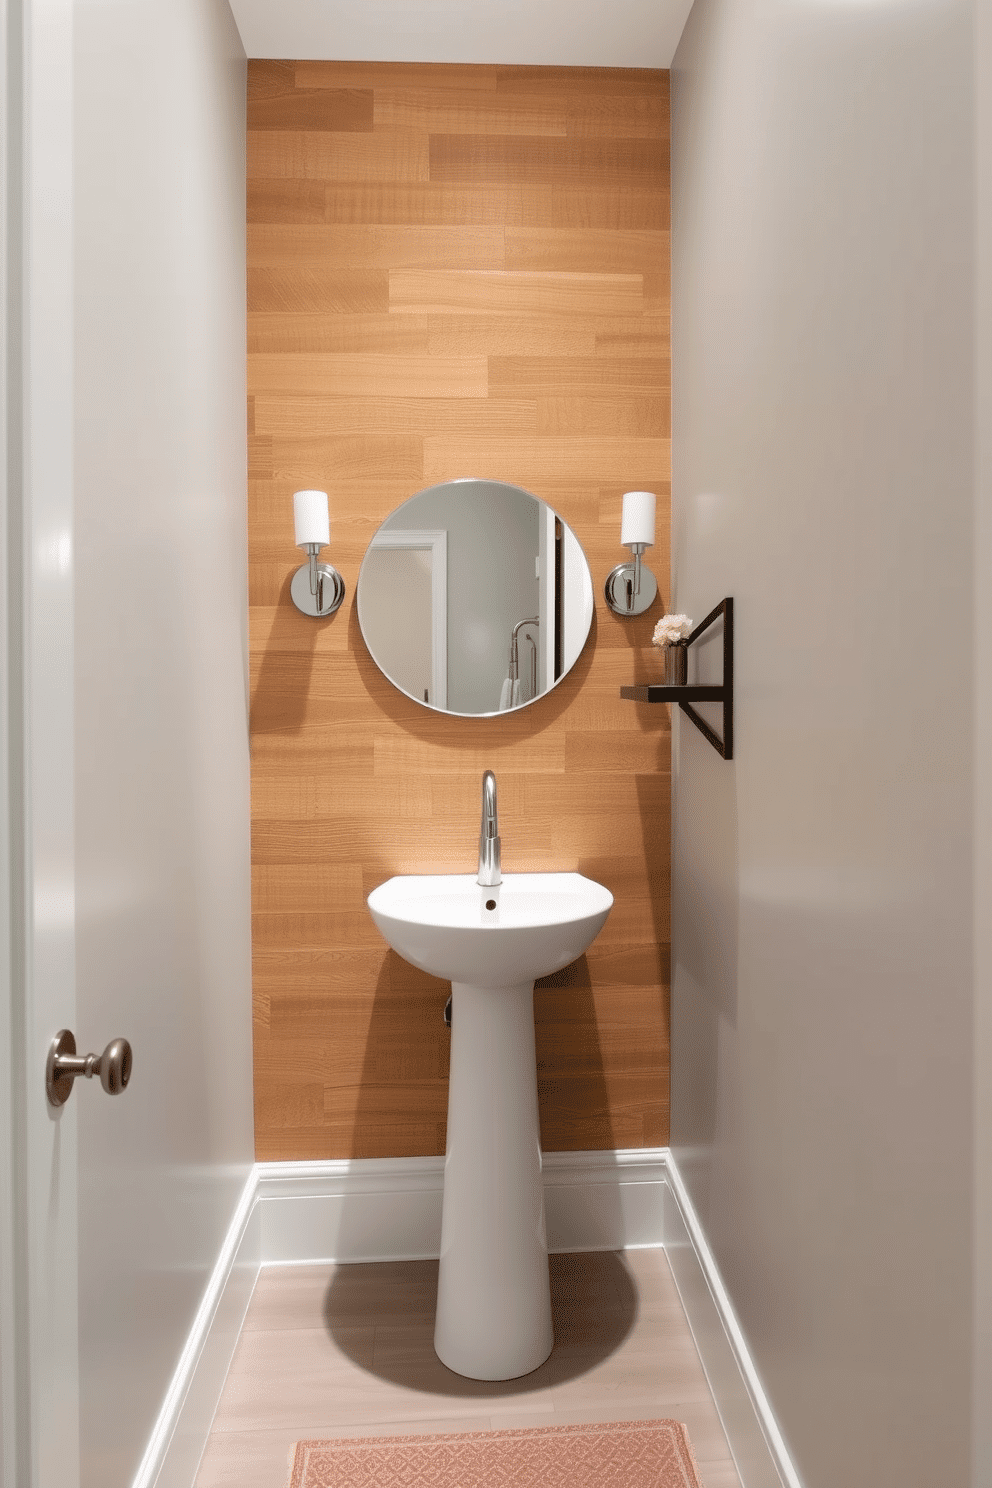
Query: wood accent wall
x: 451, y: 271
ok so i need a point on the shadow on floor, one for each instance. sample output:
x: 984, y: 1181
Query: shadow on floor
x: 593, y: 1303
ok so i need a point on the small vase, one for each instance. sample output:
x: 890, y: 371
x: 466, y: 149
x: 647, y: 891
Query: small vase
x: 676, y: 664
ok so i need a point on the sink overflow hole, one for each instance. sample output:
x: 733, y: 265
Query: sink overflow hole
x: 490, y: 903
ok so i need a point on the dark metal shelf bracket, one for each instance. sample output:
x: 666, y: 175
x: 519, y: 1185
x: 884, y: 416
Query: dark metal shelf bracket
x: 654, y: 692
x: 724, y: 746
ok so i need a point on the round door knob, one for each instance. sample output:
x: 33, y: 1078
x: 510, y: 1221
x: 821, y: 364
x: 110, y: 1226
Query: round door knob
x: 115, y: 1066
x: 65, y: 1065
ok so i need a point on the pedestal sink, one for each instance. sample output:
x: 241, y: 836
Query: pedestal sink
x: 494, y: 1301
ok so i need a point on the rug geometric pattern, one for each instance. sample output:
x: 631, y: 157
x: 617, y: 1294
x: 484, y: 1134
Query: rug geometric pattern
x: 623, y: 1454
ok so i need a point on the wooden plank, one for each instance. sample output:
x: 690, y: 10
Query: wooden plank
x: 476, y: 158
x: 270, y: 77
x: 587, y: 250
x: 531, y: 462
x: 469, y: 111
x: 512, y: 335
x: 327, y: 452
x: 297, y: 415
x: 451, y: 77
x: 369, y: 245
x: 596, y: 751
x: 285, y: 200
x: 280, y: 197
x: 646, y: 335
x: 339, y: 331
x: 333, y: 109
x: 325, y: 289
x: 495, y: 292
x: 370, y: 375
x: 585, y: 83
x: 640, y: 417
x: 322, y: 156
x: 557, y: 377
x: 620, y: 115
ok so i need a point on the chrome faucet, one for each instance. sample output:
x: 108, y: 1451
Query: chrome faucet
x: 489, y: 842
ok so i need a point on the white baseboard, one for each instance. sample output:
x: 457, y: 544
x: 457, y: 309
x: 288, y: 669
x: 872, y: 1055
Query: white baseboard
x: 759, y: 1451
x: 390, y: 1209
x: 357, y: 1209
x: 382, y: 1209
x: 180, y: 1433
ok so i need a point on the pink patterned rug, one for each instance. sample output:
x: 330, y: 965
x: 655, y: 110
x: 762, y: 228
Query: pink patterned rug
x: 622, y: 1454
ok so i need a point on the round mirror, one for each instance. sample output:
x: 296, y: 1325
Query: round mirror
x: 474, y: 597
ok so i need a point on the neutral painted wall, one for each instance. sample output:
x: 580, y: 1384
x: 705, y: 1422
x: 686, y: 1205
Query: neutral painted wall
x: 557, y: 33
x: 823, y: 1000
x: 162, y: 858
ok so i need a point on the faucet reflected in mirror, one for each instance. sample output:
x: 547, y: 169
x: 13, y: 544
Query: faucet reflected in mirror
x: 510, y: 697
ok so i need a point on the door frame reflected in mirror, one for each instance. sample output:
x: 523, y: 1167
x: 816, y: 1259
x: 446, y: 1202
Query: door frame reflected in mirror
x: 434, y: 541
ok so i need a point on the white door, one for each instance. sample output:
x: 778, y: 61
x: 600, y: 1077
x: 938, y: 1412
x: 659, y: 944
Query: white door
x: 38, y: 1303
x: 123, y: 676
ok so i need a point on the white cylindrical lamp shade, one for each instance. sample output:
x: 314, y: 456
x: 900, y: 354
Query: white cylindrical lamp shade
x: 638, y: 518
x: 311, y: 519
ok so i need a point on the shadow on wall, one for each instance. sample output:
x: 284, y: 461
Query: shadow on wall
x: 654, y: 808
x: 425, y: 723
x: 400, y: 1076
x: 593, y: 1302
x: 282, y: 690
x: 574, y: 1102
x: 705, y: 914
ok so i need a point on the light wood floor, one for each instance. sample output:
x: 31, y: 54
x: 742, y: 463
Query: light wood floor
x: 347, y: 1351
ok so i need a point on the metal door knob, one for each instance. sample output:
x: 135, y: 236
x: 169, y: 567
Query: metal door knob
x: 113, y: 1066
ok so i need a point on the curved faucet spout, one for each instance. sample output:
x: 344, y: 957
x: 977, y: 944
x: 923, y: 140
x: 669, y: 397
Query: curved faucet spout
x: 489, y: 839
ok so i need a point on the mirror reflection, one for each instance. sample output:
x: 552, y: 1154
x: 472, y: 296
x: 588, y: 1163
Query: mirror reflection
x: 474, y: 597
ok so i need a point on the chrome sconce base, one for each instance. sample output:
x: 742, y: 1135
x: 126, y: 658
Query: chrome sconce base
x: 624, y: 595
x: 631, y: 588
x: 317, y: 589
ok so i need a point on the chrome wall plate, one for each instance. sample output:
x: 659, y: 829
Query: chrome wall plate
x: 619, y: 587
x: 330, y: 589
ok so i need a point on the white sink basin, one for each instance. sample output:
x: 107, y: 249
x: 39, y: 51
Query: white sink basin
x: 528, y: 926
x: 493, y: 1298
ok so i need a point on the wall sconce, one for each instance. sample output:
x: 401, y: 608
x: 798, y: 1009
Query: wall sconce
x: 631, y: 588
x: 317, y: 588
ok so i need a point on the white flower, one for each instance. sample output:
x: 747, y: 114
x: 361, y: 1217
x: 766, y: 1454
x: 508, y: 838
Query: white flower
x: 671, y: 628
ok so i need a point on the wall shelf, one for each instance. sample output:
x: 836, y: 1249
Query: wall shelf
x: 659, y: 692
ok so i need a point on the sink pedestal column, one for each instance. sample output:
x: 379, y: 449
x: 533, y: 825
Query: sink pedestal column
x: 493, y: 1297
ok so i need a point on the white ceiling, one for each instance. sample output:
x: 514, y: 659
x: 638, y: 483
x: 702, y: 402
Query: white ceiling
x: 565, y: 33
